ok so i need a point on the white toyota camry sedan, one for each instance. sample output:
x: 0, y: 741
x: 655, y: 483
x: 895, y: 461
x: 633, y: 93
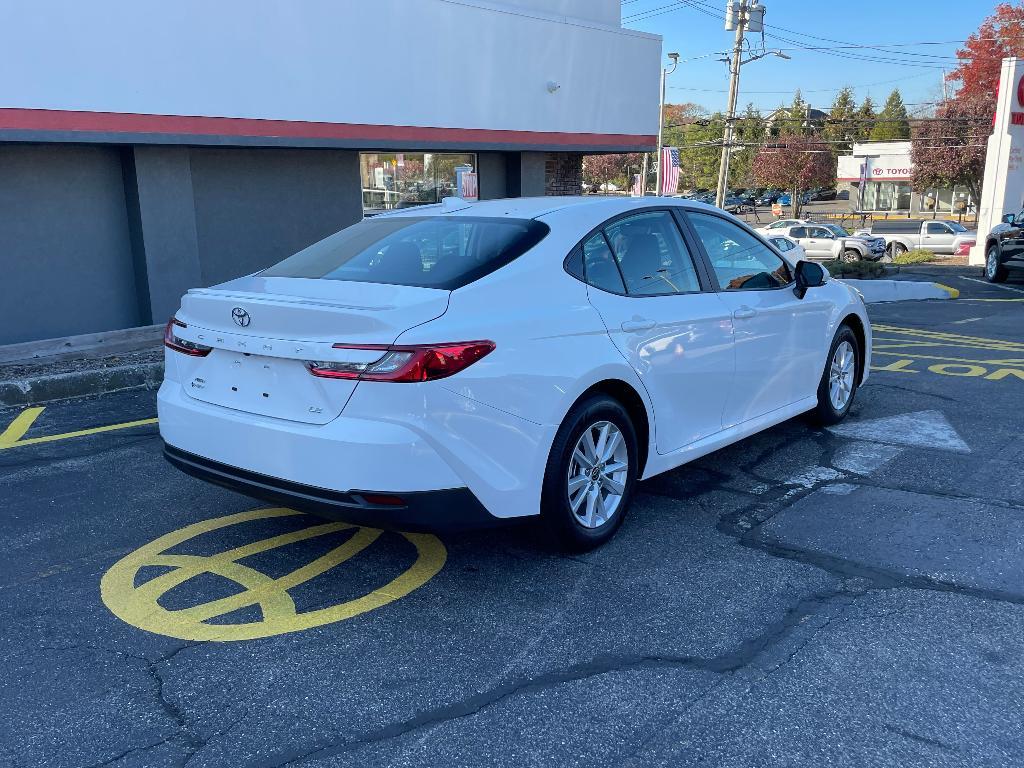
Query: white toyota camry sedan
x: 463, y: 364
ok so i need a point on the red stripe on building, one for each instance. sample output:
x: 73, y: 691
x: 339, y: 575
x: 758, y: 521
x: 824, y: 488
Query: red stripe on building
x: 133, y: 123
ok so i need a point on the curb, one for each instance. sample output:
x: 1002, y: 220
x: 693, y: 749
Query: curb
x: 40, y: 389
x: 879, y: 291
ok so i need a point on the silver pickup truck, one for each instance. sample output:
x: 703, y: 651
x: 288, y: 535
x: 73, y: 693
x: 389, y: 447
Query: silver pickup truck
x: 936, y: 235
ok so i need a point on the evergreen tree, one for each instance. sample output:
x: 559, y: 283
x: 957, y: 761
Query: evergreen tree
x: 750, y: 132
x: 797, y: 115
x: 840, y: 122
x: 893, y: 123
x: 865, y: 121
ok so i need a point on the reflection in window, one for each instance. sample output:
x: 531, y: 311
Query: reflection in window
x: 740, y: 260
x: 652, y: 255
x: 406, y: 179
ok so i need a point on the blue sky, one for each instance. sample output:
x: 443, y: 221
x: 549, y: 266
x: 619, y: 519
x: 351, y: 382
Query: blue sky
x: 818, y: 73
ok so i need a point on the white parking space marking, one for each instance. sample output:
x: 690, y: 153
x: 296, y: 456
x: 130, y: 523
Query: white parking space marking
x: 862, y: 458
x: 994, y: 285
x: 921, y: 429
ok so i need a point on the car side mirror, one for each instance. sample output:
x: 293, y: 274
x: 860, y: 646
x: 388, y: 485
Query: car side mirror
x: 1008, y: 218
x: 808, y: 275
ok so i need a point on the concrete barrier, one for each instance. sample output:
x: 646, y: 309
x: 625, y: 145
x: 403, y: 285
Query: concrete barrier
x: 878, y: 291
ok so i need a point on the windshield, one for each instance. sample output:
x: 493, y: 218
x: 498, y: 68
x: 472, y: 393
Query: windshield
x: 956, y: 226
x: 427, y: 252
x: 838, y: 231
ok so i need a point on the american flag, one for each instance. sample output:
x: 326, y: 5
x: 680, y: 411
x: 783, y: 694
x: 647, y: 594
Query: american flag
x: 669, y: 170
x: 638, y: 187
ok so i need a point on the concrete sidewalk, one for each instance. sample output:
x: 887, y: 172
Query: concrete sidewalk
x: 877, y: 291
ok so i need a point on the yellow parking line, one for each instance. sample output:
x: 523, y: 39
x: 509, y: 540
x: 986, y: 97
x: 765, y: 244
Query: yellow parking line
x: 17, y: 428
x: 13, y: 436
x: 1018, y: 363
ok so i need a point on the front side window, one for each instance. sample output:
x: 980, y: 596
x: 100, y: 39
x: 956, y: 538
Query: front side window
x: 426, y: 252
x: 652, y: 255
x: 821, y: 233
x: 937, y: 228
x: 740, y: 261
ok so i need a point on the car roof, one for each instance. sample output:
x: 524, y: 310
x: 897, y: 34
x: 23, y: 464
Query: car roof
x: 535, y: 207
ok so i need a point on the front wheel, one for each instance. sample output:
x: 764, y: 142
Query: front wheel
x: 590, y: 475
x: 994, y: 271
x: 850, y: 255
x: 839, y: 380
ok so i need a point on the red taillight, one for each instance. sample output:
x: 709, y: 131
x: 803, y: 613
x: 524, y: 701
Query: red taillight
x: 186, y: 347
x: 406, y: 363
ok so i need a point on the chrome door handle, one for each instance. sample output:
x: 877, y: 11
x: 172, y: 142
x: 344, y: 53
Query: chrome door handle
x: 744, y: 313
x: 632, y: 326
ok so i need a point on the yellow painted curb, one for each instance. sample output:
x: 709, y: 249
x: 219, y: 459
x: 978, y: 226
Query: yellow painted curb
x: 953, y: 292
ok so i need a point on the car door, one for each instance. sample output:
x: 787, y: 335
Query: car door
x: 820, y: 243
x: 799, y: 234
x: 665, y: 319
x: 938, y: 237
x: 777, y: 361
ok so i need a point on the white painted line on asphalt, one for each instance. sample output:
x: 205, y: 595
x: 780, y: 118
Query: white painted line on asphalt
x: 862, y: 457
x: 967, y: 320
x: 994, y: 285
x: 922, y: 429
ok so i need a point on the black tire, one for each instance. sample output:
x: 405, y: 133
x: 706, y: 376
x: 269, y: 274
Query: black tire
x: 850, y: 255
x: 995, y: 272
x: 898, y: 249
x: 825, y: 413
x: 557, y: 517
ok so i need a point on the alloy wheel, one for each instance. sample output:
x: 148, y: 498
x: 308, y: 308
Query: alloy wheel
x: 992, y: 264
x: 841, y: 374
x: 598, y: 471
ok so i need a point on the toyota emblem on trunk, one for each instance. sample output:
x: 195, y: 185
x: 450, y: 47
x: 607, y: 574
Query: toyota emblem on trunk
x: 240, y: 316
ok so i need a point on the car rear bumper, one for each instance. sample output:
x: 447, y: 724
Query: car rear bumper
x: 433, y: 511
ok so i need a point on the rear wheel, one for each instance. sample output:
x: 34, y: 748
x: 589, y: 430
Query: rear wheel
x: 590, y: 475
x: 994, y: 271
x: 840, y: 378
x: 898, y: 249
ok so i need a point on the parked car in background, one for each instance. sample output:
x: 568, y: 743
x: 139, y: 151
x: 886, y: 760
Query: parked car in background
x: 936, y: 235
x: 1004, y: 248
x: 787, y: 199
x: 417, y: 389
x: 769, y: 196
x: 825, y: 194
x: 788, y: 247
x: 827, y: 241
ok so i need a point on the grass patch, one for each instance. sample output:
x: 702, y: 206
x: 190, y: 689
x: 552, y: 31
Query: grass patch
x: 860, y: 270
x: 916, y: 256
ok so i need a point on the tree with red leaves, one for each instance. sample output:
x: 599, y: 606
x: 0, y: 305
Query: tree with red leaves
x: 950, y: 150
x: 1000, y: 35
x: 795, y: 163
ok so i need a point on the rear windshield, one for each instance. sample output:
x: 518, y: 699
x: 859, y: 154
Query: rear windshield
x: 427, y: 252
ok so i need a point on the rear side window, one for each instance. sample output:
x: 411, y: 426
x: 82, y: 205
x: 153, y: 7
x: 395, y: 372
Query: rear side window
x: 599, y: 265
x: 445, y: 252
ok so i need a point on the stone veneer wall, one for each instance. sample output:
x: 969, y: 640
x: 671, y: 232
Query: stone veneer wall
x: 563, y: 173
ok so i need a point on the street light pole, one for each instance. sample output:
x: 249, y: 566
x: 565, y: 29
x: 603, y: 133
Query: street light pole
x: 730, y: 116
x: 661, y: 120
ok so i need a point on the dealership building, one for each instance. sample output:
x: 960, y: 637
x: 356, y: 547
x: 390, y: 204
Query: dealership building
x: 877, y: 177
x: 148, y: 148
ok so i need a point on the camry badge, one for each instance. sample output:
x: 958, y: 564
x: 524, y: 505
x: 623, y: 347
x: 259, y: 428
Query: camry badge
x: 240, y: 316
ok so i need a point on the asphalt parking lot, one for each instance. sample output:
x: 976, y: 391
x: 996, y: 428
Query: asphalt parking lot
x: 805, y: 597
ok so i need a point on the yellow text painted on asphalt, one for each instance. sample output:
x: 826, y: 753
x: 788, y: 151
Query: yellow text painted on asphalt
x: 14, y: 435
x: 140, y: 607
x: 947, y: 354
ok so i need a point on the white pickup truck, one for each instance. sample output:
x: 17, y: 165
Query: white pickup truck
x: 936, y: 235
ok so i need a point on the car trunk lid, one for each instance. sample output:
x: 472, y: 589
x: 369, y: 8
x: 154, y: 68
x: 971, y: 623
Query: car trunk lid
x: 264, y: 331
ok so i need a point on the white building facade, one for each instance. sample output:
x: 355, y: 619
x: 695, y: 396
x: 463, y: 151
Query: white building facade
x: 146, y: 148
x: 877, y: 175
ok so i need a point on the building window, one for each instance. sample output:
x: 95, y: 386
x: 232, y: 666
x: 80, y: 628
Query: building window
x: 944, y: 200
x: 887, y: 196
x: 405, y: 179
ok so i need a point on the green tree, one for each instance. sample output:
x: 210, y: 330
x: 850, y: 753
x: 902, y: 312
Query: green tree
x: 840, y: 122
x: 750, y: 133
x: 893, y: 122
x: 865, y: 120
x: 797, y: 121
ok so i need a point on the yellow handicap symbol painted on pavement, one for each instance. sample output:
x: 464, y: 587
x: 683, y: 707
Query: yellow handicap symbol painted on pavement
x: 140, y: 607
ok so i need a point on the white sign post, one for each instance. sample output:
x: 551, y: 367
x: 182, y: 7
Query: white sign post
x: 1002, y: 190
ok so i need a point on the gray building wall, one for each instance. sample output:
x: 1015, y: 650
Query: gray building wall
x: 254, y: 207
x: 64, y: 243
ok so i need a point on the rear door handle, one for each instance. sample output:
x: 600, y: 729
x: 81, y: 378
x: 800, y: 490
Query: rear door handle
x: 744, y: 313
x: 632, y: 326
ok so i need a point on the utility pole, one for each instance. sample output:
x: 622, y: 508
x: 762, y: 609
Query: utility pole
x: 661, y: 119
x: 743, y: 16
x: 738, y: 17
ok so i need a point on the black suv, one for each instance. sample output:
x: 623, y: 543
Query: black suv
x: 1004, y: 248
